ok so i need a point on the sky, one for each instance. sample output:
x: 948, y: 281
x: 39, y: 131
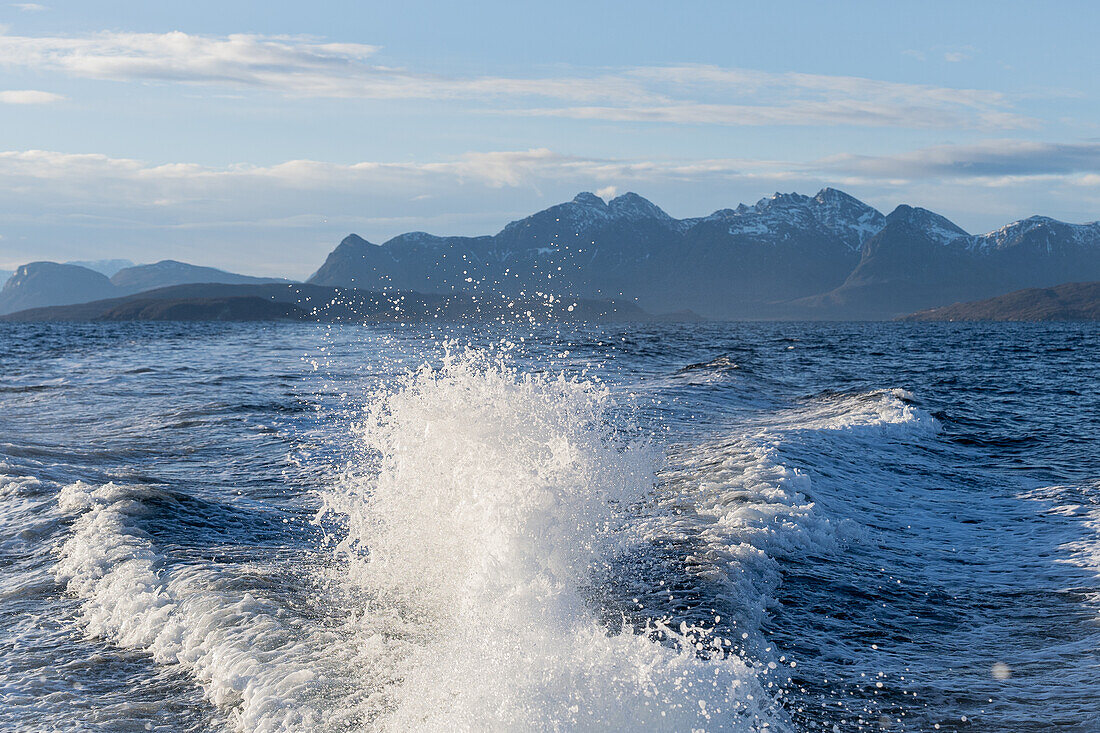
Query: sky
x: 254, y: 136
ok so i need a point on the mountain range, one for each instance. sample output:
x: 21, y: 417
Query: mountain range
x: 827, y: 256
x: 789, y: 256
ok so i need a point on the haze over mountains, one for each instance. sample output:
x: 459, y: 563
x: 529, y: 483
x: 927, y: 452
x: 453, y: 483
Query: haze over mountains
x: 827, y: 256
x: 107, y: 267
x: 40, y: 284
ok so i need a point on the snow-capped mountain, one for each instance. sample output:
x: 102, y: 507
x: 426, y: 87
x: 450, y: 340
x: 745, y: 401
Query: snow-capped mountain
x: 734, y: 262
x: 831, y: 212
x: 921, y: 260
x: 787, y: 256
x: 1039, y: 234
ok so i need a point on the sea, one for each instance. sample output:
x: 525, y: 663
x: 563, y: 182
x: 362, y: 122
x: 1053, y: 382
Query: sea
x: 517, y: 527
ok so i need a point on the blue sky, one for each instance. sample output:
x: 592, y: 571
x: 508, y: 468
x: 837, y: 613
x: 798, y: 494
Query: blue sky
x: 253, y: 136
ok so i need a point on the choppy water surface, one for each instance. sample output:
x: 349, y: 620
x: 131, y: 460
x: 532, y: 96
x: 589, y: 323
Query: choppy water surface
x: 684, y: 527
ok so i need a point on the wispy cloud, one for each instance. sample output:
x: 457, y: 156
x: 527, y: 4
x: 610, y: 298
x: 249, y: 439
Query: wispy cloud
x: 993, y: 158
x: 28, y: 96
x: 854, y: 112
x: 29, y: 7
x: 136, y: 184
x: 307, y: 67
x: 187, y: 192
x: 765, y: 98
x: 287, y: 64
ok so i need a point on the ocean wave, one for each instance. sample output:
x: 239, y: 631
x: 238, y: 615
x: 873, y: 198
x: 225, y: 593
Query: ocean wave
x: 741, y: 511
x: 889, y: 413
x: 1080, y: 504
x: 742, y: 504
x: 268, y: 667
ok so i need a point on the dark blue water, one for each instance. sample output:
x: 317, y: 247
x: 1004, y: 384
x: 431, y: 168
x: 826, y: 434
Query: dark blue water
x: 276, y: 527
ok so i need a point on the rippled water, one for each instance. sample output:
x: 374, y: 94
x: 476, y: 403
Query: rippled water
x: 713, y: 527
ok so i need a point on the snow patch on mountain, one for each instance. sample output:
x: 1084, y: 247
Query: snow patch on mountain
x: 774, y: 217
x: 1041, y: 231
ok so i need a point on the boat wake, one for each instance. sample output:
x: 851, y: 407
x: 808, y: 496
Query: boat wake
x: 504, y: 553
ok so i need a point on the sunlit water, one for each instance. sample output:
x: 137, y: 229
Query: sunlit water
x: 711, y: 527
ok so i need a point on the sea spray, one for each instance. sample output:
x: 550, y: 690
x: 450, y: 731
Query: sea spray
x: 484, y: 500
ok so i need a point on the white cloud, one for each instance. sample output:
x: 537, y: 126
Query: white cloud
x: 987, y: 159
x: 855, y: 112
x: 237, y: 59
x: 96, y: 205
x: 28, y: 96
x: 306, y: 67
x: 190, y: 191
x: 765, y: 98
x: 955, y: 57
x: 29, y: 7
x: 126, y: 182
x: 287, y: 64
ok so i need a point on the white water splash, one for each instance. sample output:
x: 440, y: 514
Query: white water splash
x: 489, y: 498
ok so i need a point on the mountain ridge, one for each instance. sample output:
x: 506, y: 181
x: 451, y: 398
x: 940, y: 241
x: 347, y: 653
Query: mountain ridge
x: 828, y: 256
x: 787, y: 256
x: 1067, y: 302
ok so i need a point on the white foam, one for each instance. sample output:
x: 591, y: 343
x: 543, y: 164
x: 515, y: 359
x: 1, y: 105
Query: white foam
x: 483, y: 504
x: 748, y: 511
x: 887, y: 413
x: 744, y: 510
x: 1077, y: 502
x: 269, y: 670
x: 485, y: 501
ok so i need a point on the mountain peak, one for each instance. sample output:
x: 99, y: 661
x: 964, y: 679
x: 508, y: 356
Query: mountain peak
x: 633, y: 205
x: 782, y: 200
x: 37, y: 284
x: 834, y: 211
x: 1037, y: 232
x: 631, y: 197
x: 587, y: 198
x: 353, y: 240
x: 829, y: 195
x: 936, y: 227
x: 1037, y: 220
